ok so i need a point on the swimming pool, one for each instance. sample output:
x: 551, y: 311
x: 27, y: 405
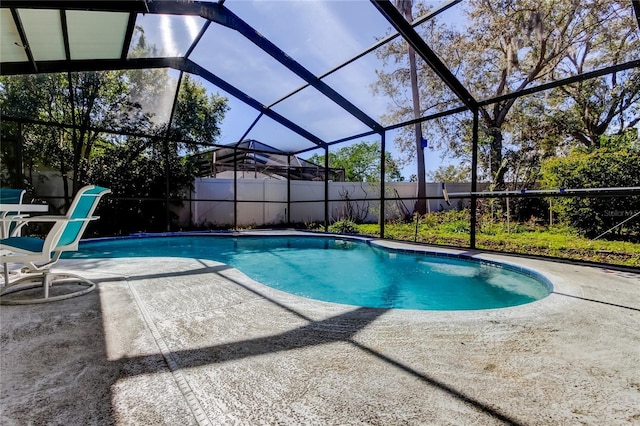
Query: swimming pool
x: 346, y: 271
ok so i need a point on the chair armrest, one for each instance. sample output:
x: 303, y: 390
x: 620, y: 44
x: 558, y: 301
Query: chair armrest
x: 7, y: 219
x: 46, y: 218
x: 20, y: 223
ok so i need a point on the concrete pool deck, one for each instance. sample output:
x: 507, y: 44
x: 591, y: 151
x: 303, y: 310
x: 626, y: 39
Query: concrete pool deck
x: 180, y: 341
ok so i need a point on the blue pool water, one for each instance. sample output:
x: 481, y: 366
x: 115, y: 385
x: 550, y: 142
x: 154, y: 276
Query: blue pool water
x: 344, y: 271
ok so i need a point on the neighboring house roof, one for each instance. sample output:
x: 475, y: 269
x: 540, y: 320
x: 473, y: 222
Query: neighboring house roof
x: 254, y: 156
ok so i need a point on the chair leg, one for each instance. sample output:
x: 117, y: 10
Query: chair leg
x: 6, y: 274
x: 46, y: 282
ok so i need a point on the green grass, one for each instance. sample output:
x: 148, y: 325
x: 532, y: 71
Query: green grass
x: 452, y: 228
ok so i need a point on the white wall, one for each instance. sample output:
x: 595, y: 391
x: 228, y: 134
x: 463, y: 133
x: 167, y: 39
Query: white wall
x: 252, y: 192
x: 253, y: 212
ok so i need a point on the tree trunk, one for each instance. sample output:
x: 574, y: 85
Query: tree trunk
x: 495, y: 159
x: 421, y: 205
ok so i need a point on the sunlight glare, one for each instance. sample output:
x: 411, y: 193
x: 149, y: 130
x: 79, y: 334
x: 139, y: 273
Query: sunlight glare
x: 193, y: 26
x: 168, y: 38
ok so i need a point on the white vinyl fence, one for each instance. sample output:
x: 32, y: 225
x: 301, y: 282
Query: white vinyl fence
x: 264, y: 202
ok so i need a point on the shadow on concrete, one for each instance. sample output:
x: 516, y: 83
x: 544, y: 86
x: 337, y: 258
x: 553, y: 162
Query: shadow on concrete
x: 339, y: 328
x: 595, y: 301
x: 69, y: 380
x: 54, y: 367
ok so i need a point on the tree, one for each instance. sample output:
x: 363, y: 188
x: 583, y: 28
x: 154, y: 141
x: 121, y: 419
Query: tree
x: 98, y: 100
x: 16, y: 148
x: 361, y: 163
x: 82, y: 100
x: 505, y: 47
x: 617, y: 165
x: 135, y: 172
x: 450, y: 173
x: 126, y: 101
x: 198, y: 115
x: 581, y: 113
x: 130, y: 165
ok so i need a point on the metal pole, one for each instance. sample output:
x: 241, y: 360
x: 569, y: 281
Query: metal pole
x: 621, y: 223
x: 508, y: 217
x: 383, y: 149
x: 474, y: 180
x: 235, y: 171
x: 74, y: 141
x: 288, y: 190
x: 19, y: 159
x: 167, y: 187
x: 624, y: 190
x: 167, y: 135
x: 326, y: 189
x: 235, y: 187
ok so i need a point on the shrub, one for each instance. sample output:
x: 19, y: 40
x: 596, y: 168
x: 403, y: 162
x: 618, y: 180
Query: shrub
x: 344, y: 227
x: 601, y: 168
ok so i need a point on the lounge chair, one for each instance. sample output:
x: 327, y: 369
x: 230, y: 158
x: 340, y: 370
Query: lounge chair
x: 9, y: 196
x: 38, y: 255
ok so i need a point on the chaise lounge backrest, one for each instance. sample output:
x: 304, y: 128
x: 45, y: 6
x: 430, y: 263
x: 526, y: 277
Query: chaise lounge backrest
x: 82, y: 207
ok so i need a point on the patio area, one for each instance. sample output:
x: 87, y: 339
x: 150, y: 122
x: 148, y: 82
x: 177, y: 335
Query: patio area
x: 190, y: 341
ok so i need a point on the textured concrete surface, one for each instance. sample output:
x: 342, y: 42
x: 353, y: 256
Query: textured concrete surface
x: 170, y: 341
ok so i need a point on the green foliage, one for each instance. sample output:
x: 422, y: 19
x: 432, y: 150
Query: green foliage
x: 198, y: 116
x: 450, y: 221
x: 87, y: 100
x: 509, y: 46
x: 529, y: 238
x: 10, y: 156
x: 344, y: 227
x: 134, y: 102
x: 450, y: 173
x: 489, y: 225
x: 361, y: 163
x: 135, y: 172
x: 626, y: 140
x: 598, y: 169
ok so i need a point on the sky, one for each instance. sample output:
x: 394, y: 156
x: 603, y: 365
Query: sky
x: 319, y: 35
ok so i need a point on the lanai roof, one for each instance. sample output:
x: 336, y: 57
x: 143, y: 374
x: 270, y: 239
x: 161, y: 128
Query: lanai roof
x: 299, y: 71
